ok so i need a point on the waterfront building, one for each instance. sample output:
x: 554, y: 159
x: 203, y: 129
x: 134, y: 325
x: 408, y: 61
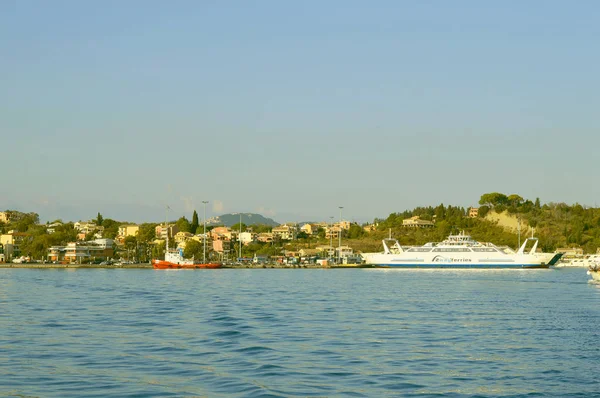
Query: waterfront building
x: 327, y: 249
x: 11, y: 242
x: 570, y: 252
x: 343, y: 251
x: 78, y: 252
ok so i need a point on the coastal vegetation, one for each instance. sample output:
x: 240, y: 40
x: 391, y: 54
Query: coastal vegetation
x: 557, y: 225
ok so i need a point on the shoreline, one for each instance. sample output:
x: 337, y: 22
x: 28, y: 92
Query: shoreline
x: 149, y: 266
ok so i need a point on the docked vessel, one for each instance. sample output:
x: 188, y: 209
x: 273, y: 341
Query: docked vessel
x: 460, y: 251
x: 594, y: 268
x: 174, y: 260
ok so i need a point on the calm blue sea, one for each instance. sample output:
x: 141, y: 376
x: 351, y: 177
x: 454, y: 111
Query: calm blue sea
x: 298, y: 333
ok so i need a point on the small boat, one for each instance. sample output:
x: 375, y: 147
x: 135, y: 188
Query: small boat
x: 594, y: 269
x: 460, y: 251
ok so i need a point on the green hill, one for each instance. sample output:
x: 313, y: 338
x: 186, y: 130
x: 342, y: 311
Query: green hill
x: 247, y: 218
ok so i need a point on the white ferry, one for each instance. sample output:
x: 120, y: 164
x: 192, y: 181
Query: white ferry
x: 460, y: 251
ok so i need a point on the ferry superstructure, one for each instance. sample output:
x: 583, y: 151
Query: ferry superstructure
x: 460, y: 251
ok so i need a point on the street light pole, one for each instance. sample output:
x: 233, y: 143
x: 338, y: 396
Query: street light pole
x: 340, y: 236
x: 204, y: 202
x: 331, y: 235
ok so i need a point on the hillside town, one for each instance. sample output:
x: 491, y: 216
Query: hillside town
x: 243, y: 243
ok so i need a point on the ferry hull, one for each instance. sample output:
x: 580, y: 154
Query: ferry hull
x: 461, y: 266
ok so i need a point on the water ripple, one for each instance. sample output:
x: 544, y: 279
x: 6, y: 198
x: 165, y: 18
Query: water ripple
x: 310, y: 333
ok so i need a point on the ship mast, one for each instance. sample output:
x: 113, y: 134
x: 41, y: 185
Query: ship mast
x: 167, y: 231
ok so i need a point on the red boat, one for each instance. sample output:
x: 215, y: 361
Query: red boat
x: 174, y: 260
x: 161, y: 264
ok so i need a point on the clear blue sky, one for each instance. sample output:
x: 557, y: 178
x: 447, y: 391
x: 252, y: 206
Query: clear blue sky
x: 292, y: 109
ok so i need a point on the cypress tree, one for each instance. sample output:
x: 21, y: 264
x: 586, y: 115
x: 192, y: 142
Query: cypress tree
x: 195, y: 224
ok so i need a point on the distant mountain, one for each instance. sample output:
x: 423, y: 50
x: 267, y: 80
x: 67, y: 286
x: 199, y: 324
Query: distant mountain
x: 247, y: 218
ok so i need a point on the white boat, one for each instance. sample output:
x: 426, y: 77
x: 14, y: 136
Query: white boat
x: 594, y: 267
x: 460, y: 251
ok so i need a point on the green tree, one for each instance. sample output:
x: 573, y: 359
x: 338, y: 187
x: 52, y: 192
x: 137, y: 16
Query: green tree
x: 514, y: 200
x: 99, y: 219
x: 183, y: 224
x: 236, y: 227
x: 355, y: 231
x: 111, y: 228
x: 193, y: 249
x: 195, y: 223
x: 147, y: 232
x: 493, y: 199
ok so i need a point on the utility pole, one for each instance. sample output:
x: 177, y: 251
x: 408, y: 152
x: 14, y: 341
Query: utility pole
x: 340, y: 236
x: 204, y: 202
x: 240, y: 237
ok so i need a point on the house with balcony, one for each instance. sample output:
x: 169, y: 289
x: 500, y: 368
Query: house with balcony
x: 309, y: 229
x: 221, y: 233
x: 129, y: 230
x: 222, y: 246
x: 162, y: 230
x: 370, y: 228
x: 183, y: 236
x: 247, y: 237
x: 265, y: 237
x: 332, y: 232
x: 345, y: 225
x: 416, y: 222
x: 285, y: 232
x: 200, y: 237
x: 51, y: 228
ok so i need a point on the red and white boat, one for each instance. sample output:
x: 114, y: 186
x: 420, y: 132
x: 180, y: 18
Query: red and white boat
x: 174, y: 260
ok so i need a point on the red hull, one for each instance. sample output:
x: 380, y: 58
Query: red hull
x: 160, y: 264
